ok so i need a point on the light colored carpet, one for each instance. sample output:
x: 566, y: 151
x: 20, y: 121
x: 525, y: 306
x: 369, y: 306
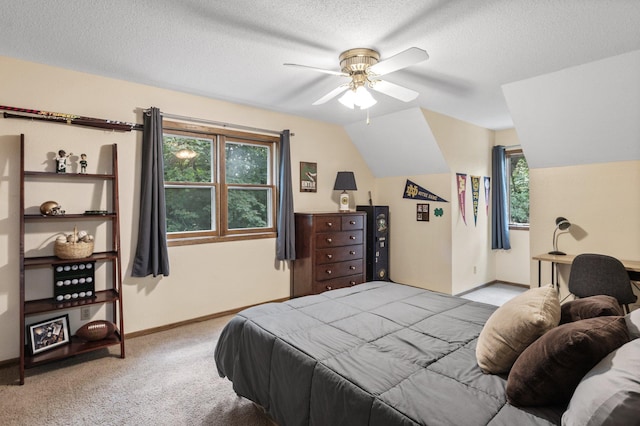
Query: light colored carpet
x: 495, y: 294
x: 167, y: 378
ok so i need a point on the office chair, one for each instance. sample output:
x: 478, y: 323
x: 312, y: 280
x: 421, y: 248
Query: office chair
x: 593, y: 274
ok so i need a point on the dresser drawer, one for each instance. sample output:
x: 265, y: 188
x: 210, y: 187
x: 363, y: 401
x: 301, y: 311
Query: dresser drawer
x: 331, y: 251
x: 337, y: 283
x: 337, y: 239
x: 328, y: 223
x: 340, y: 269
x: 338, y: 254
x: 352, y: 222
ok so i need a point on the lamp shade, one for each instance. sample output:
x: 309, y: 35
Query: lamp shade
x: 562, y: 224
x: 345, y: 181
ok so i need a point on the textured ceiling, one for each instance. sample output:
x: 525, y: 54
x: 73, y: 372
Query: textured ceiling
x: 234, y: 50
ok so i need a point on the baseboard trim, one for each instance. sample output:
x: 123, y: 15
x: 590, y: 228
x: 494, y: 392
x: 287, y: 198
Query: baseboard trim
x: 492, y: 283
x: 14, y: 361
x: 196, y: 320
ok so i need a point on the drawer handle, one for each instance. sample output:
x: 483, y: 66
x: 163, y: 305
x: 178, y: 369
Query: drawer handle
x: 352, y: 222
x: 352, y: 237
x: 352, y: 267
x: 329, y: 240
x: 329, y: 272
x: 329, y: 287
x: 329, y: 224
x: 329, y: 256
x: 352, y: 252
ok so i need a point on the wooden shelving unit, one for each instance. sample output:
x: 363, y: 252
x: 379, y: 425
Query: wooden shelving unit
x: 111, y: 296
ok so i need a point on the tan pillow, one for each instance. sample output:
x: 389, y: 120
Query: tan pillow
x: 514, y: 326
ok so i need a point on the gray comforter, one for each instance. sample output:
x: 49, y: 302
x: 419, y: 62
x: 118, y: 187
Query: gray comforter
x: 374, y: 354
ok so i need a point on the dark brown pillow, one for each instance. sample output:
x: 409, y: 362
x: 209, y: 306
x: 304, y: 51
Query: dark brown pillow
x: 590, y: 307
x: 549, y: 370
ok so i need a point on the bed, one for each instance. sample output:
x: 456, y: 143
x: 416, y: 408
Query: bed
x: 378, y: 353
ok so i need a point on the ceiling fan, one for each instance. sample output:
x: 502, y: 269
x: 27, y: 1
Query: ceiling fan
x: 364, y: 68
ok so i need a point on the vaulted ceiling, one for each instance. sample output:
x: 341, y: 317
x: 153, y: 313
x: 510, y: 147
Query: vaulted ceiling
x: 235, y: 50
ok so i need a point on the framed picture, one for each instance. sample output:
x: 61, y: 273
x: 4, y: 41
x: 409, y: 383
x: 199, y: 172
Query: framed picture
x: 422, y: 212
x: 308, y: 177
x: 48, y: 334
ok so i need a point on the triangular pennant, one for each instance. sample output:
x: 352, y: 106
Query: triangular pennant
x: 416, y: 192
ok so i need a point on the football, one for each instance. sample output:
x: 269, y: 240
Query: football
x: 96, y: 330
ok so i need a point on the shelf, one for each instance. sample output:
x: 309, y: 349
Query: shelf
x: 110, y: 295
x: 34, y: 262
x: 51, y: 175
x: 81, y: 216
x: 75, y: 347
x: 39, y: 306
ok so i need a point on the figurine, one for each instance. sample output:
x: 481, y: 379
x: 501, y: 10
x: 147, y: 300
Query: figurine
x: 61, y: 161
x: 83, y: 163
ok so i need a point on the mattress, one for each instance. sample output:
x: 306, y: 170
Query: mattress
x: 378, y: 353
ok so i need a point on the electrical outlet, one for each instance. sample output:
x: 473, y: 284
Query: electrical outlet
x: 85, y: 313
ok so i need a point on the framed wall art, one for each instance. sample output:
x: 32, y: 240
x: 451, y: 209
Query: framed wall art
x: 48, y: 334
x: 308, y: 177
x: 422, y: 212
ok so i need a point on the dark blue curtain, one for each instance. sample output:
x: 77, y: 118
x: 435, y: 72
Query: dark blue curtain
x: 286, y: 241
x: 152, y: 257
x: 500, y: 200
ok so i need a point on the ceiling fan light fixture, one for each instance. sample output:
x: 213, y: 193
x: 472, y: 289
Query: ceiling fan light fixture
x: 359, y: 97
x: 363, y: 98
x: 348, y: 99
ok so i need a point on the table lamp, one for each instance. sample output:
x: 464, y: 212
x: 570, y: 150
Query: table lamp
x: 562, y: 224
x: 345, y: 181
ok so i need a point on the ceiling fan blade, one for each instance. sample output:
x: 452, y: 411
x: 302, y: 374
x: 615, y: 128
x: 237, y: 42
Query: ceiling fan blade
x: 340, y: 73
x: 404, y: 59
x: 332, y: 94
x: 395, y: 91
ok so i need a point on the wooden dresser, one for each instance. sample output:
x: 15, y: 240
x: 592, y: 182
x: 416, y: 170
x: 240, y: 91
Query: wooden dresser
x: 330, y: 251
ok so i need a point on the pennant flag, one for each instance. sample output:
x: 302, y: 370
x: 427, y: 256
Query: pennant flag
x: 475, y: 196
x: 461, y: 179
x: 487, y: 180
x: 416, y: 192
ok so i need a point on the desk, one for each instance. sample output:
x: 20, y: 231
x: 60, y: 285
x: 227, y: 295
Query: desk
x: 632, y: 266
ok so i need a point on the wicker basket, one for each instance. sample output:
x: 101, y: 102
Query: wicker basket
x: 73, y: 250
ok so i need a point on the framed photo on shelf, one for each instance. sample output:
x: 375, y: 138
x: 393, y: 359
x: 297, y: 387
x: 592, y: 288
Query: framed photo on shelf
x: 308, y: 177
x: 48, y: 334
x: 422, y: 212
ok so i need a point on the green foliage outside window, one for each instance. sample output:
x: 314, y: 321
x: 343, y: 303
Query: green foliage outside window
x: 188, y: 208
x: 190, y: 191
x: 247, y: 164
x: 519, y: 190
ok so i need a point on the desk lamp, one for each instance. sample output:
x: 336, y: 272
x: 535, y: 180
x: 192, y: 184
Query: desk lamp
x: 345, y: 181
x: 562, y: 224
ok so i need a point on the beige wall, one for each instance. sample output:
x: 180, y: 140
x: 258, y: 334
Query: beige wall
x: 420, y: 251
x: 602, y: 203
x: 467, y: 149
x: 205, y: 278
x: 443, y: 254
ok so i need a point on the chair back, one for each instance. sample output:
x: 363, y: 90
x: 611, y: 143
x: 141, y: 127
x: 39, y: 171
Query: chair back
x: 593, y: 274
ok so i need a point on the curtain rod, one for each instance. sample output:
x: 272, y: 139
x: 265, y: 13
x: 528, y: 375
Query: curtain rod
x: 220, y: 124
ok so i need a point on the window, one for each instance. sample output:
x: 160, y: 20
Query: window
x: 518, y: 189
x: 219, y: 184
